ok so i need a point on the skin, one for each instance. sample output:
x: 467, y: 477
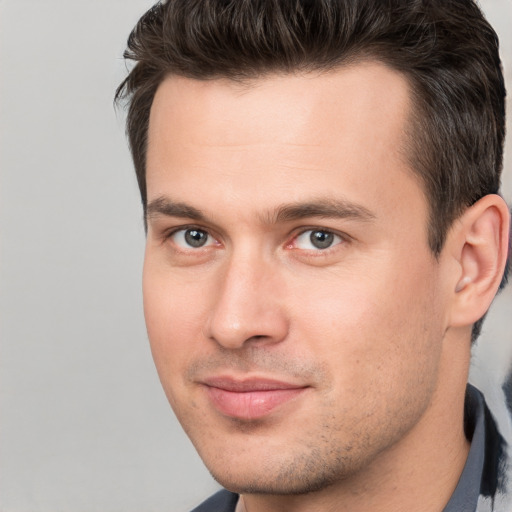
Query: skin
x: 370, y: 328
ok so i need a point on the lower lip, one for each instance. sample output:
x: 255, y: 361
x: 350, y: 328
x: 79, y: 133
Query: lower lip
x: 250, y: 405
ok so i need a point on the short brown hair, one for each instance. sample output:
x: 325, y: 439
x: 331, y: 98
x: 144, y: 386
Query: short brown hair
x: 446, y: 49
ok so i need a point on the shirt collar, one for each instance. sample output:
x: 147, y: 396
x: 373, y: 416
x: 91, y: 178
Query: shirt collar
x: 465, y: 496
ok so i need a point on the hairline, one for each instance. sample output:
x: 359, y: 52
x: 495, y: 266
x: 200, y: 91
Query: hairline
x: 408, y: 147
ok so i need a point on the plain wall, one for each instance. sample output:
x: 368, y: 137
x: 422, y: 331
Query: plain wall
x: 84, y: 424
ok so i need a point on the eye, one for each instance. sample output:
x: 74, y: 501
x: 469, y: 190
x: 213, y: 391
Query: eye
x: 192, y: 238
x: 316, y: 240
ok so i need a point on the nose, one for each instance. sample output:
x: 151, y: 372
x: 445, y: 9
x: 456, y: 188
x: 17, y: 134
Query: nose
x: 249, y: 306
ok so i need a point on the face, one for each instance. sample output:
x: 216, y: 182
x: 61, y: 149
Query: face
x: 291, y: 300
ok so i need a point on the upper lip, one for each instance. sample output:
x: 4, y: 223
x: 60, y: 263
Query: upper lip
x: 249, y: 384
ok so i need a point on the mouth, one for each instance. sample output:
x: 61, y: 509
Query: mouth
x: 249, y: 399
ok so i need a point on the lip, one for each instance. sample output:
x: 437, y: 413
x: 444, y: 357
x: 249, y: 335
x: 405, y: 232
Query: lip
x: 249, y: 399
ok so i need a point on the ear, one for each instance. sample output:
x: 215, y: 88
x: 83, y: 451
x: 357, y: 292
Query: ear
x: 479, y: 241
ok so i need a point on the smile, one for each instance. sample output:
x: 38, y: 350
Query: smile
x: 249, y: 399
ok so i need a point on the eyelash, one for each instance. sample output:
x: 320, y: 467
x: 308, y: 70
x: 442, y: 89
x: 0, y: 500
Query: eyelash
x: 319, y: 252
x: 343, y: 238
x: 168, y: 236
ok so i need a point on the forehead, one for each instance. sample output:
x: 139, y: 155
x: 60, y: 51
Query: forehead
x: 282, y: 135
x: 339, y: 101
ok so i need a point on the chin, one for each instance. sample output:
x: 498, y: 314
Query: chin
x: 302, y: 475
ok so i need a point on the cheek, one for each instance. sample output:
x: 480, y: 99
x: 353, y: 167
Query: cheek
x: 380, y: 327
x: 382, y: 360
x: 174, y: 322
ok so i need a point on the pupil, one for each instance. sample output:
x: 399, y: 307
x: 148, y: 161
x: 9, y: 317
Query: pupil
x: 321, y: 239
x: 195, y: 238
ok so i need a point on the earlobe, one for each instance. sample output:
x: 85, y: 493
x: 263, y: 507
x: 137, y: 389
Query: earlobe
x: 482, y: 237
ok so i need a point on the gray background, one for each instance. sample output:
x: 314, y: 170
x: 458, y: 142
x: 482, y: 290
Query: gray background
x: 84, y: 425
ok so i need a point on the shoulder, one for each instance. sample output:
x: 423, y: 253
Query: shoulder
x: 496, y: 483
x: 222, y: 501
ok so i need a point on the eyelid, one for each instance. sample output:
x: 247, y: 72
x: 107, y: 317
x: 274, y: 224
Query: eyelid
x: 170, y: 233
x: 343, y: 238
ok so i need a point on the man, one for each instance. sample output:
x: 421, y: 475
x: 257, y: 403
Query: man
x: 324, y: 236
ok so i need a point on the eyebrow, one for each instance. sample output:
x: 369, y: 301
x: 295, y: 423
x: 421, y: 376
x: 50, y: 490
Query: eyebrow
x: 322, y: 208
x: 169, y: 208
x: 319, y: 208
